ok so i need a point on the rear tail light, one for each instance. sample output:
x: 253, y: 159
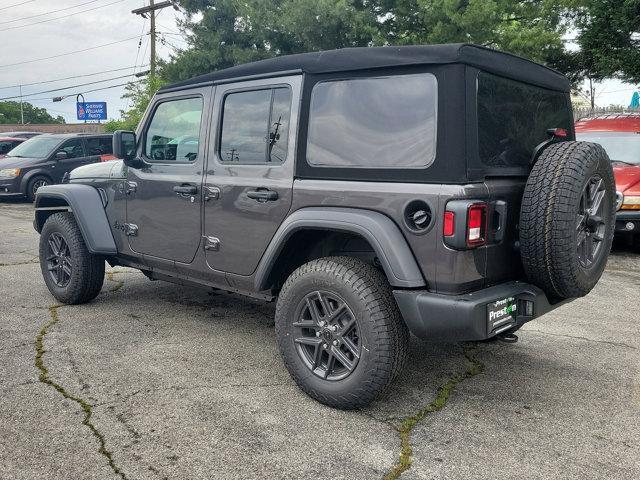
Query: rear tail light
x: 449, y: 224
x: 477, y: 225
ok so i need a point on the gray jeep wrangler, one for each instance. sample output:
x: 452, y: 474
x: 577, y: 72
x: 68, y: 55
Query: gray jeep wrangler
x: 371, y: 192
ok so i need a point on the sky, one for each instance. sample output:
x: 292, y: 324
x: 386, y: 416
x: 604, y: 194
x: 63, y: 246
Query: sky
x: 78, y: 25
x: 64, y: 26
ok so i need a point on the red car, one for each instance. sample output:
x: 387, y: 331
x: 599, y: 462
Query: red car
x: 9, y: 143
x: 619, y: 134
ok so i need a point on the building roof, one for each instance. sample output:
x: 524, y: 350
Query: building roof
x: 611, y: 122
x: 372, y: 58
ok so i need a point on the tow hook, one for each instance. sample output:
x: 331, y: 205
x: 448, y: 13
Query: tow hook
x: 507, y: 337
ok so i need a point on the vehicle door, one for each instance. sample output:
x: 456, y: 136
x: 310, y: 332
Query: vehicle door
x: 249, y: 180
x: 67, y: 156
x: 164, y: 197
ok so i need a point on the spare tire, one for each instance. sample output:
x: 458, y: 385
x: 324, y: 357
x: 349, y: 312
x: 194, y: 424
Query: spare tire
x: 567, y: 219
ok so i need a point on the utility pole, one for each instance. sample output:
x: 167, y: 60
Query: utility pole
x: 152, y: 62
x: 21, y: 110
x: 151, y: 11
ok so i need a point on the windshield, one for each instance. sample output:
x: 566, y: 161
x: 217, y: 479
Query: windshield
x: 620, y: 146
x: 36, y: 147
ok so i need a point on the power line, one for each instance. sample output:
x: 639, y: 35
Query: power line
x: 64, y: 16
x: 48, y: 13
x: 17, y: 4
x: 67, y: 53
x: 85, y: 91
x: 71, y: 86
x: 70, y: 78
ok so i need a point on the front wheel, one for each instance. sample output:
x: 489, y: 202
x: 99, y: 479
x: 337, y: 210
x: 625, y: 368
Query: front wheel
x: 340, y: 332
x: 71, y: 273
x: 34, y: 184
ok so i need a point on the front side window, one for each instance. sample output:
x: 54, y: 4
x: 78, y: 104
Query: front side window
x: 384, y: 122
x: 73, y: 148
x: 174, y: 131
x: 255, y: 126
x: 513, y: 118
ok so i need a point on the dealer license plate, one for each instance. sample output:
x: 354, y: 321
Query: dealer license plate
x: 501, y: 313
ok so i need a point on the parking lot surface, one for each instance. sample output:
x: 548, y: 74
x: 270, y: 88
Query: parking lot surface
x: 153, y: 380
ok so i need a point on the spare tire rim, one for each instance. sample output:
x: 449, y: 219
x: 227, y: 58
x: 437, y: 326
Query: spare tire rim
x: 58, y: 260
x: 326, y: 335
x: 590, y: 224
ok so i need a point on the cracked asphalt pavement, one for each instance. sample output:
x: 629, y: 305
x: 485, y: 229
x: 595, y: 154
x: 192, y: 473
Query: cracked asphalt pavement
x: 153, y: 381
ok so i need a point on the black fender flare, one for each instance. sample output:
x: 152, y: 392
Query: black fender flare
x: 380, y: 231
x: 24, y: 182
x: 87, y: 206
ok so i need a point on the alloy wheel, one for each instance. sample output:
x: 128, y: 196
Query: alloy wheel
x: 59, y: 259
x: 591, y: 222
x: 326, y: 335
x: 36, y: 185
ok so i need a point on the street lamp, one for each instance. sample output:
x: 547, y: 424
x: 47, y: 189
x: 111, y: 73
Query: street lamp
x: 78, y: 96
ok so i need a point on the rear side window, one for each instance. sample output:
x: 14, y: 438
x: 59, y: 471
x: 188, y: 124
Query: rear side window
x: 174, y: 131
x: 100, y: 145
x: 513, y: 118
x: 384, y: 122
x: 255, y: 126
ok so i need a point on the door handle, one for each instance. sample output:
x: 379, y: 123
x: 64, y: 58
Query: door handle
x: 185, y: 189
x: 263, y: 195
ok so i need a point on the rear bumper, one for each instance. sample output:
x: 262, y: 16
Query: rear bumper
x: 628, y: 221
x: 433, y: 316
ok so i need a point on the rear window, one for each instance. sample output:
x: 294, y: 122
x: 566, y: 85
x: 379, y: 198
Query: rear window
x: 513, y: 118
x: 384, y: 122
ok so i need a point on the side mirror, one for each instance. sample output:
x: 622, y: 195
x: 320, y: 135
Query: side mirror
x: 124, y: 147
x: 61, y: 155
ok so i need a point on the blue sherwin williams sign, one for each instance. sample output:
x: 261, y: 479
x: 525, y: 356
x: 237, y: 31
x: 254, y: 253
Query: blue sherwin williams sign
x: 91, y: 110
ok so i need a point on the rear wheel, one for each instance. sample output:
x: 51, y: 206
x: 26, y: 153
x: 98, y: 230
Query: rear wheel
x: 71, y: 273
x: 340, y: 332
x: 34, y: 184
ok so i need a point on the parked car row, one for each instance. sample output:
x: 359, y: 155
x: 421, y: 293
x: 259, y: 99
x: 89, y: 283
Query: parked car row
x: 619, y: 134
x: 45, y: 159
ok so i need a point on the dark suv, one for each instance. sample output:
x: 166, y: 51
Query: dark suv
x: 45, y: 159
x: 372, y: 192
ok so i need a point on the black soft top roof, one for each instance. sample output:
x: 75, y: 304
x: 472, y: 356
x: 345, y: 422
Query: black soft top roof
x: 369, y: 58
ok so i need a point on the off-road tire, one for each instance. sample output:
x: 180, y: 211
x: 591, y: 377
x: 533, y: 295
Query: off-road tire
x: 549, y: 215
x: 87, y: 270
x: 31, y: 194
x: 383, y: 334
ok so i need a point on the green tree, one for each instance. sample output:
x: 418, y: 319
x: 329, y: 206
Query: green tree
x: 609, y: 39
x: 10, y: 113
x: 229, y: 32
x: 138, y: 94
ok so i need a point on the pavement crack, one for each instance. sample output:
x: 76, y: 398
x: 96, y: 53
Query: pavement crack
x: 442, y: 398
x: 26, y: 262
x: 86, y: 407
x: 586, y: 339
